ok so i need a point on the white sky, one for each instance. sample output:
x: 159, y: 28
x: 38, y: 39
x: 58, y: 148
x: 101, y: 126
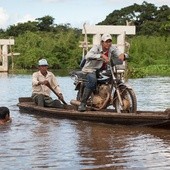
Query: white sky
x: 75, y: 12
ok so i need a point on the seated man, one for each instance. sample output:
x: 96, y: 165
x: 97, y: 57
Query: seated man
x: 97, y: 58
x: 4, y: 115
x: 40, y: 90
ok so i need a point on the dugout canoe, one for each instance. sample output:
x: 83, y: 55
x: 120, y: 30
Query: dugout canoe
x: 159, y: 119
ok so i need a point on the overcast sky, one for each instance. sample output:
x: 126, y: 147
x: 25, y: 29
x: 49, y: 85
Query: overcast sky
x: 75, y: 12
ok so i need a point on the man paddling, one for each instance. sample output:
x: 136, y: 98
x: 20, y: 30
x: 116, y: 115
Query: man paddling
x: 43, y: 81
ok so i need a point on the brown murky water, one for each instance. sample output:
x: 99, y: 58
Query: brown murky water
x: 35, y: 142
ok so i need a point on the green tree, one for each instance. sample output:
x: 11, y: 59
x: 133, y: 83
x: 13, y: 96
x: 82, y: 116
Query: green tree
x: 147, y: 18
x: 21, y: 28
x: 60, y: 49
x: 2, y: 33
x: 45, y: 23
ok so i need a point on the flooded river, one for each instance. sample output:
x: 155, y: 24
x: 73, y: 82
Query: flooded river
x: 36, y: 142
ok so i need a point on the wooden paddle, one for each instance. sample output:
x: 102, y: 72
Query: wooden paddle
x: 49, y: 86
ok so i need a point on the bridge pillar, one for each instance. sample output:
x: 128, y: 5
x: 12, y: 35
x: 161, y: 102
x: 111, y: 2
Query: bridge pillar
x: 4, y: 53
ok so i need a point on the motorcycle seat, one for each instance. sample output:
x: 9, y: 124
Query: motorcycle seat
x: 80, y: 74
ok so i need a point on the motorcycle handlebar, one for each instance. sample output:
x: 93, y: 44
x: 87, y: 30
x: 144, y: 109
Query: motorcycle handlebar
x: 116, y: 61
x: 113, y: 60
x: 99, y: 59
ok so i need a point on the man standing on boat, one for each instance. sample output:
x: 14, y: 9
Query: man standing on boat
x: 43, y: 81
x: 97, y: 58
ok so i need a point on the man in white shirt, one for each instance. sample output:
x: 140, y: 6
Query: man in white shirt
x: 40, y: 90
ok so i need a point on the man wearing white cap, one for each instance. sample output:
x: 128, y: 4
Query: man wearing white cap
x: 41, y: 80
x: 103, y: 51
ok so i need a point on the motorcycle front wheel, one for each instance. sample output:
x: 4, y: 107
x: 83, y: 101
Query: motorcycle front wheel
x: 128, y: 98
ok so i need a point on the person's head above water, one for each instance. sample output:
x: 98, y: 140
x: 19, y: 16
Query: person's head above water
x: 4, y: 115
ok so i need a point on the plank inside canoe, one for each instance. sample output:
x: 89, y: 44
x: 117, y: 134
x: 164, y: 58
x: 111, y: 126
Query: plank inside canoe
x: 25, y: 99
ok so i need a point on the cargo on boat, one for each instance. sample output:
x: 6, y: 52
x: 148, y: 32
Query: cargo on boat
x: 159, y: 119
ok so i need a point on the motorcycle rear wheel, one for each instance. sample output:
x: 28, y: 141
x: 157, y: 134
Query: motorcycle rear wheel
x: 129, y: 101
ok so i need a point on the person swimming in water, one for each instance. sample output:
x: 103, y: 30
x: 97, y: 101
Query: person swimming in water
x: 4, y: 115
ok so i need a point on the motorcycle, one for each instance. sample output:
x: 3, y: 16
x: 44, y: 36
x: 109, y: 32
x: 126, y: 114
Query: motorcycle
x: 111, y: 90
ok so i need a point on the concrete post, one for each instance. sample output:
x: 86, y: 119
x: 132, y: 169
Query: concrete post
x: 5, y: 57
x: 121, y: 42
x: 96, y: 39
x: 4, y: 44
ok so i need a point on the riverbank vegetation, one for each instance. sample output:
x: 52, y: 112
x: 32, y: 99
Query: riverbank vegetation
x: 59, y: 44
x: 149, y: 56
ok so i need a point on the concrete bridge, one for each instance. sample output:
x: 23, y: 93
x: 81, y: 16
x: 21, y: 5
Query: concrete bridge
x: 5, y: 52
x: 97, y: 30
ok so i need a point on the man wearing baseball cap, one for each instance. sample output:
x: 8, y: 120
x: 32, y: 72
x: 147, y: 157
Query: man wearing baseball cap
x: 41, y: 81
x: 103, y: 51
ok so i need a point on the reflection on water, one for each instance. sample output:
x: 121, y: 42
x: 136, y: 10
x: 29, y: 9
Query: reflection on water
x: 35, y: 142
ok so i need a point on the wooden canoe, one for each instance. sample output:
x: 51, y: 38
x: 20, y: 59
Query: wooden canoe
x: 159, y: 119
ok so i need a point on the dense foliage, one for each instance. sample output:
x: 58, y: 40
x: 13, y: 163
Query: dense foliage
x: 148, y: 19
x: 60, y: 49
x: 149, y: 52
x: 149, y: 56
